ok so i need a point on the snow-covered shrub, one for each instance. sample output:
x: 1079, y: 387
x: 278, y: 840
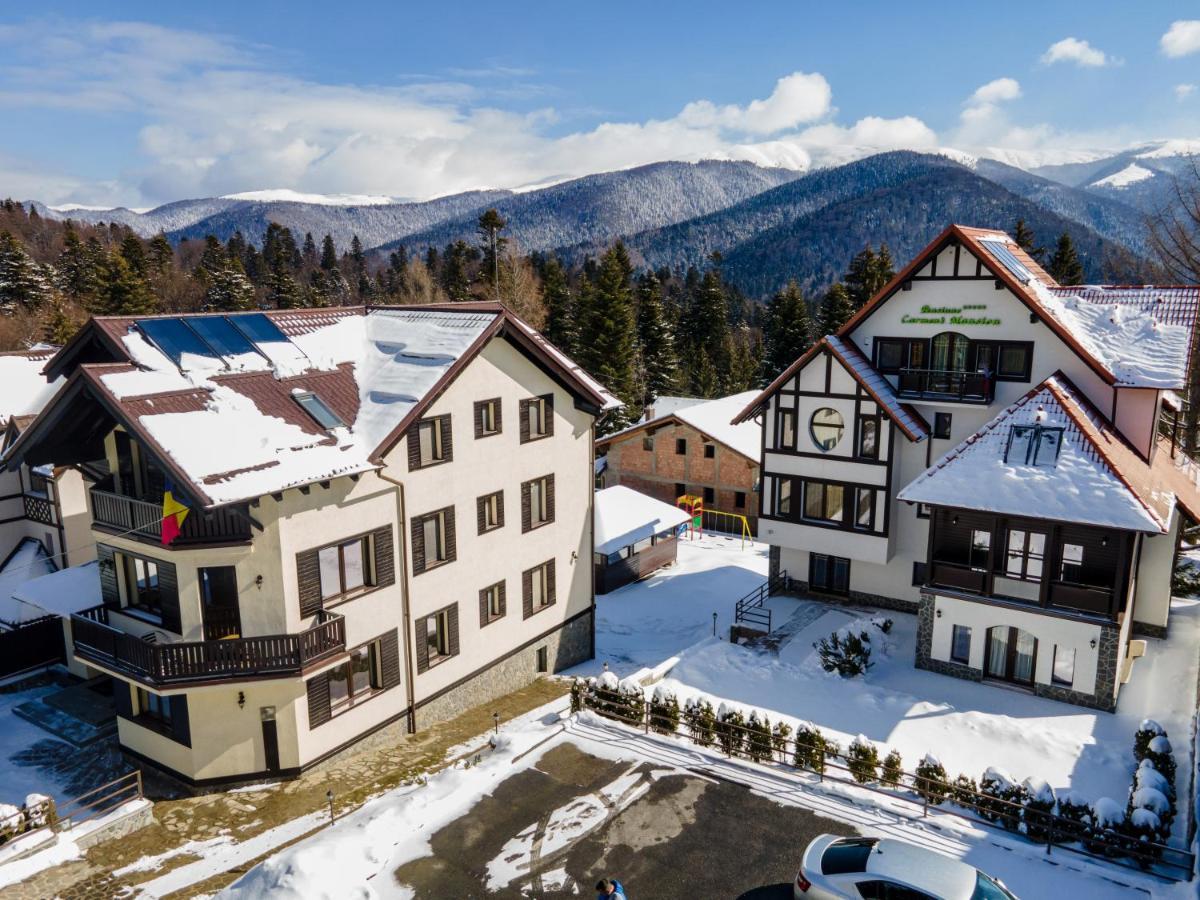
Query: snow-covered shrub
x: 731, y: 733
x: 1074, y: 818
x: 701, y: 720
x: 862, y: 760
x: 758, y: 737
x: 930, y: 780
x: 1104, y: 836
x: 883, y: 623
x: 616, y: 699
x: 578, y: 689
x: 39, y: 811
x: 1002, y: 799
x: 1151, y: 790
x: 1185, y: 580
x: 893, y: 769
x: 965, y: 792
x: 664, y: 711
x: 811, y: 748
x: 11, y: 820
x: 1144, y: 831
x: 779, y: 739
x: 1039, y: 810
x: 1147, y: 731
x: 846, y: 652
x: 1158, y: 753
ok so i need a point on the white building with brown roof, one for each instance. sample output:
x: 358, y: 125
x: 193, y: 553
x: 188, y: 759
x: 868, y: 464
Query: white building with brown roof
x: 388, y: 521
x: 984, y: 447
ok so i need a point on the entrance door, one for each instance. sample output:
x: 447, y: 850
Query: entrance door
x: 219, y: 599
x: 270, y: 738
x: 1011, y: 654
x: 830, y: 574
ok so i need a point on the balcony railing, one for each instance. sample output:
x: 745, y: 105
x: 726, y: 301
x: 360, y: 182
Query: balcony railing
x: 956, y: 575
x: 142, y: 519
x: 943, y: 384
x: 1063, y: 596
x: 268, y: 656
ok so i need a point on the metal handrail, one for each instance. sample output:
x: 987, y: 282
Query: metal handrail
x: 87, y: 806
x: 953, y: 383
x: 750, y: 608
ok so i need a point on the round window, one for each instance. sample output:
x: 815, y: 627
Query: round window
x: 826, y: 427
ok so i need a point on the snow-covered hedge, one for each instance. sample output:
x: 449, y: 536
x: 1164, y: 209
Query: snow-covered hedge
x: 664, y: 711
x: 624, y: 700
x: 701, y: 720
x: 863, y: 760
x: 999, y: 792
x: 848, y: 650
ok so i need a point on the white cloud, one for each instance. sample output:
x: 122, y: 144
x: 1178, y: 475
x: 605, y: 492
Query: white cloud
x: 1183, y: 91
x: 797, y: 98
x: 1076, y: 51
x: 996, y: 91
x: 1182, y: 38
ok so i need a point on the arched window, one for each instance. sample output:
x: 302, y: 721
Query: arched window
x: 826, y: 427
x: 949, y: 352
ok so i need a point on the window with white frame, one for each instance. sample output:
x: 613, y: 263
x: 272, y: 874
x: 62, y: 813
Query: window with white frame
x: 1025, y: 554
x: 1064, y: 666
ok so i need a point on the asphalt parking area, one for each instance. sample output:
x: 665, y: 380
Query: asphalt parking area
x: 552, y: 830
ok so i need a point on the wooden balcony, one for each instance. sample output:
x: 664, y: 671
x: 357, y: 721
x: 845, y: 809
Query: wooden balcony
x: 959, y: 577
x: 236, y: 659
x: 946, y: 386
x: 142, y: 520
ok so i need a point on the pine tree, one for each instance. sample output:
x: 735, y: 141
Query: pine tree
x: 868, y: 273
x: 309, y: 252
x: 710, y: 333
x: 135, y: 254
x: 1024, y: 238
x: 282, y: 290
x: 22, y: 283
x: 59, y: 326
x: 123, y: 292
x: 787, y: 331
x: 229, y: 289
x: 607, y: 344
x: 76, y: 266
x: 213, y: 259
x: 455, y: 275
x: 746, y: 360
x: 356, y: 254
x: 1065, y: 267
x: 161, y: 254
x: 329, y: 258
x: 836, y: 310
x: 490, y: 224
x: 657, y: 345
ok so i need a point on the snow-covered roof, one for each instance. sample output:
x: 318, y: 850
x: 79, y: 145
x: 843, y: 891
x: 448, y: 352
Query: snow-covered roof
x: 712, y: 418
x: 225, y: 414
x: 623, y: 517
x: 1095, y: 479
x: 24, y: 390
x: 907, y: 418
x: 27, y: 561
x: 667, y: 405
x: 60, y: 593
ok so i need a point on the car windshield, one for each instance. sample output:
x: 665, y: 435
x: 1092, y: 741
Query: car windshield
x: 847, y: 856
x: 987, y: 888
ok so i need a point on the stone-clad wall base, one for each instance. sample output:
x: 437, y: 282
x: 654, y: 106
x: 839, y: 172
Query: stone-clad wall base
x: 854, y: 598
x: 773, y: 555
x: 1141, y: 629
x: 568, y: 646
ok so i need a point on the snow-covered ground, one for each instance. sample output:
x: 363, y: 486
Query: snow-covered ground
x: 642, y: 624
x: 18, y: 751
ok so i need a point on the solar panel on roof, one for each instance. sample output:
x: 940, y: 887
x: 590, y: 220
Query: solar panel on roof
x: 259, y: 329
x: 1007, y: 259
x: 220, y: 335
x: 174, y: 338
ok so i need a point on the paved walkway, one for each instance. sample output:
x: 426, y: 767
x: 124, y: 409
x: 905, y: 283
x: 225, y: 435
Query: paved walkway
x: 245, y: 813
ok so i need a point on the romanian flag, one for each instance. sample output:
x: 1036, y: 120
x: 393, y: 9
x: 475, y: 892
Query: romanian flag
x: 173, y: 515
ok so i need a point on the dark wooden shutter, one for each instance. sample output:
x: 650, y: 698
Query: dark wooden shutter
x: 168, y: 597
x: 526, y: 508
x: 414, y: 446
x: 389, y: 663
x: 385, y: 556
x: 308, y: 583
x: 422, y: 624
x: 527, y: 593
x: 483, y: 607
x: 479, y: 405
x: 551, y: 587
x: 451, y: 540
x: 181, y: 727
x: 499, y: 509
x: 503, y: 598
x: 548, y: 425
x: 524, y: 407
x: 550, y: 498
x: 447, y: 438
x: 418, y: 544
x: 498, y: 418
x: 318, y: 700
x: 452, y: 627
x: 123, y: 698
x: 110, y: 592
x: 481, y: 513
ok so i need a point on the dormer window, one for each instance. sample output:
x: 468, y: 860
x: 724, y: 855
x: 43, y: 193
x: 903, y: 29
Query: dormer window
x: 315, y: 407
x: 1034, y: 445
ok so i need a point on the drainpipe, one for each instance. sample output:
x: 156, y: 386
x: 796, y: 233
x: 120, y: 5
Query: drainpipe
x: 402, y: 549
x: 591, y: 559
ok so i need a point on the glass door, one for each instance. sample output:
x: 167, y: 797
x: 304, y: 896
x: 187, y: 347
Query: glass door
x: 1011, y: 655
x: 219, y: 597
x: 1024, y: 654
x: 997, y: 652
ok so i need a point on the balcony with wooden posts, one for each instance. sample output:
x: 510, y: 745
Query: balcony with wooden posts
x: 141, y: 520
x: 164, y: 665
x: 946, y: 386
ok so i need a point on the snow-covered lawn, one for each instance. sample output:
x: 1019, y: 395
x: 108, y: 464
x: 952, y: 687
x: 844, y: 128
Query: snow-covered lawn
x: 642, y: 624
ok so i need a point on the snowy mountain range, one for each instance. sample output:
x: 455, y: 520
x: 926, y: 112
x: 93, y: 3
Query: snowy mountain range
x: 767, y: 221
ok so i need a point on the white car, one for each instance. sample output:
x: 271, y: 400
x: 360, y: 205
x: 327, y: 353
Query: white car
x: 865, y: 868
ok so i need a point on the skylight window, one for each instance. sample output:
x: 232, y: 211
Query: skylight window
x: 1008, y: 259
x: 1034, y: 445
x: 315, y: 407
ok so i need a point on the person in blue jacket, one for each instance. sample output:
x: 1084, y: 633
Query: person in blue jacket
x: 610, y: 889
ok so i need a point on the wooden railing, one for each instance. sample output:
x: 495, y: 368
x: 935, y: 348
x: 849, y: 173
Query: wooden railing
x: 142, y: 519
x: 267, y: 656
x: 944, y: 384
x: 221, y: 622
x: 957, y: 575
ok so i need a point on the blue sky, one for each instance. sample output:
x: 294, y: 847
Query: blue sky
x: 153, y: 102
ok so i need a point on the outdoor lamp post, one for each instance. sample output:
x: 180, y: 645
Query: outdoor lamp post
x: 329, y: 797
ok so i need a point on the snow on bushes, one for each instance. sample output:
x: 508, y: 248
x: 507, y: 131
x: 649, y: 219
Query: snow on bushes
x: 1002, y: 799
x: 811, y: 748
x: 848, y: 650
x: 965, y: 792
x: 1147, y: 731
x: 664, y: 711
x: 893, y: 769
x: 701, y: 721
x: 730, y: 729
x: 758, y: 737
x: 930, y: 781
x: 779, y: 739
x: 1107, y: 822
x: 1159, y: 755
x: 11, y: 821
x: 616, y: 699
x: 1074, y: 818
x: 862, y: 760
x: 1038, y: 821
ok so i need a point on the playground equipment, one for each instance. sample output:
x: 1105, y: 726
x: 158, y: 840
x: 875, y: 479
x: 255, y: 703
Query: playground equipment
x: 694, y: 507
x: 713, y: 519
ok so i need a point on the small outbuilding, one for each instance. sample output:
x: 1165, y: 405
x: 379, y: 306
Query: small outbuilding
x: 635, y: 535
